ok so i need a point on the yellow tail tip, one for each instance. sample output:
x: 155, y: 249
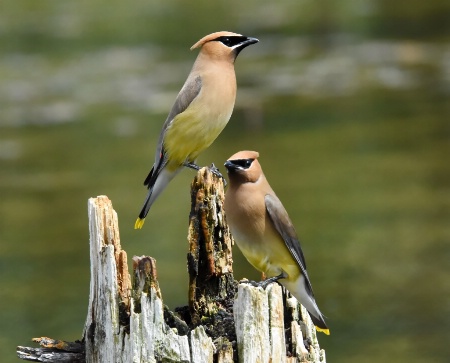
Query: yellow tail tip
x: 325, y: 331
x: 139, y: 223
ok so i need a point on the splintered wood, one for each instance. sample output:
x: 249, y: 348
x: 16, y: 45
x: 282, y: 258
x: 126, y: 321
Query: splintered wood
x: 210, y: 264
x: 225, y: 322
x: 262, y: 336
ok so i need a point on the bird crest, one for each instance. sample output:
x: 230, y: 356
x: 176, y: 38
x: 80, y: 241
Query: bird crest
x: 213, y: 36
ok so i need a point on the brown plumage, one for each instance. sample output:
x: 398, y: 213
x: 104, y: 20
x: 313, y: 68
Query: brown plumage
x: 264, y: 232
x: 200, y: 112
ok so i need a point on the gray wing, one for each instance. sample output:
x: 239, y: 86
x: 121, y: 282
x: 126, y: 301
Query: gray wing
x: 285, y: 228
x: 188, y: 93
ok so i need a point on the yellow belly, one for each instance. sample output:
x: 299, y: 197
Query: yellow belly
x: 191, y: 132
x: 268, y: 254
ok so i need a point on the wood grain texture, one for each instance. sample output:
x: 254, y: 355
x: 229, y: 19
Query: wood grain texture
x: 225, y: 322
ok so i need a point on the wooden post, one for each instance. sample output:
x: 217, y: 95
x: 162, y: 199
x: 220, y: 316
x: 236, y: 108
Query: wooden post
x: 223, y: 322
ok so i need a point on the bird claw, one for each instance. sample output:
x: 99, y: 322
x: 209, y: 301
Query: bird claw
x: 213, y: 169
x: 249, y: 282
x: 263, y: 284
x: 266, y: 282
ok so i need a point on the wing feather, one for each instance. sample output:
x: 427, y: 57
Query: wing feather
x: 285, y: 228
x: 187, y: 94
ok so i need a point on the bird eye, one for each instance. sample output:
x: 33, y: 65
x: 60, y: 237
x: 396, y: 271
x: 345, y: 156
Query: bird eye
x: 244, y: 163
x: 231, y: 41
x: 226, y: 41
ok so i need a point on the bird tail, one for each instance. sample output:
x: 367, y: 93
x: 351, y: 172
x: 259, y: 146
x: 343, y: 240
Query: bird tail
x: 319, y: 323
x: 155, y: 187
x: 306, y: 298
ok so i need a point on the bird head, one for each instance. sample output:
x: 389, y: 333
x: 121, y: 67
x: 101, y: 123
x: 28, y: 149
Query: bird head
x: 224, y: 44
x: 243, y: 167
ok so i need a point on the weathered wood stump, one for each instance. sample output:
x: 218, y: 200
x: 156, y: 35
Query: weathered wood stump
x: 223, y: 322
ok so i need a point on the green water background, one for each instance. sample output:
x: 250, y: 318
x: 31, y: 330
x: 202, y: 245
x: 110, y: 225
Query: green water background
x: 347, y: 103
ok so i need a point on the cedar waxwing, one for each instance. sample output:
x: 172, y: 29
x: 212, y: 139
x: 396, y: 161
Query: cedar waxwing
x: 264, y: 233
x: 200, y: 112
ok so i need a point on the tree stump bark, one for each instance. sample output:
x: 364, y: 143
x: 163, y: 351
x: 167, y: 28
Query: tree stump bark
x: 224, y: 321
x: 210, y: 262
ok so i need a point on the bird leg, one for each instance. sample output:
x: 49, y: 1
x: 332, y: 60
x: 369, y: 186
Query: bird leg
x: 191, y: 165
x: 213, y: 169
x: 217, y: 173
x: 266, y: 282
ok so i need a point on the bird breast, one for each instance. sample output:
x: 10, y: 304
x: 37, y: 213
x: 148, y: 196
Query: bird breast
x: 195, y: 129
x: 256, y: 236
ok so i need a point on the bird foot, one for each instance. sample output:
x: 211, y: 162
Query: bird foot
x: 263, y: 284
x: 266, y: 282
x: 250, y: 282
x: 213, y: 169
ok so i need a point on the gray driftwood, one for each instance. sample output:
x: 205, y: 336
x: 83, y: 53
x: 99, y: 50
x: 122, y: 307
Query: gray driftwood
x: 223, y: 322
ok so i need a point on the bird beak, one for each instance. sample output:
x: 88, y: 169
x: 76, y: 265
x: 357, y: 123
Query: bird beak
x: 249, y: 41
x: 245, y: 43
x: 230, y: 166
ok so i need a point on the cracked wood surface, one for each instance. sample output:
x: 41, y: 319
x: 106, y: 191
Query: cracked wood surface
x: 224, y: 322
